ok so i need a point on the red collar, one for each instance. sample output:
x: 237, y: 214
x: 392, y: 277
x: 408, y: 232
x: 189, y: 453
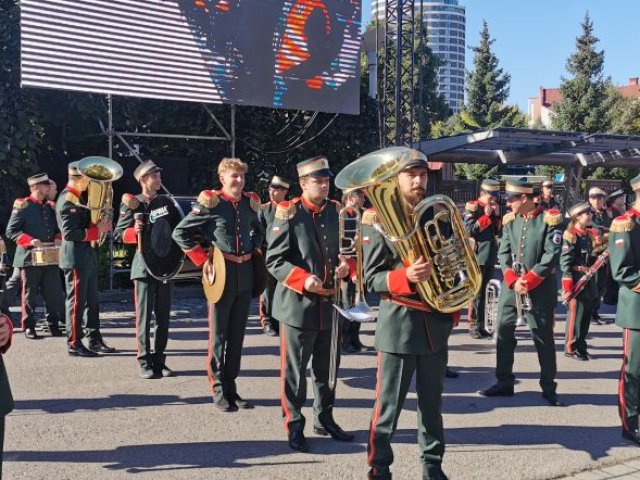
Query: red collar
x: 534, y: 213
x: 73, y: 190
x: 481, y: 203
x: 634, y: 212
x: 578, y: 231
x: 311, y: 207
x: 35, y: 200
x: 228, y: 197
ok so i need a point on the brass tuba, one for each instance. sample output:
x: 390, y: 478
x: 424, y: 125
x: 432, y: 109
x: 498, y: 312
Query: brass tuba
x: 101, y: 172
x: 456, y: 277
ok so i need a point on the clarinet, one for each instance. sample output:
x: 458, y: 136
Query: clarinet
x: 602, y: 260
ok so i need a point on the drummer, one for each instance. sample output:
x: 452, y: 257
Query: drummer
x: 150, y: 295
x: 32, y: 225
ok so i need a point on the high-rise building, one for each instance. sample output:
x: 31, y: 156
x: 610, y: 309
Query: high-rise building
x: 445, y: 20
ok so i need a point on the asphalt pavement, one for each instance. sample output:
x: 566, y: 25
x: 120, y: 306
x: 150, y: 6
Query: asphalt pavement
x: 79, y: 418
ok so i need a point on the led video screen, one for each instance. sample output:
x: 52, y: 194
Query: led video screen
x: 295, y: 54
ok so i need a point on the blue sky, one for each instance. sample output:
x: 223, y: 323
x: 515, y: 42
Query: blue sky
x: 535, y: 37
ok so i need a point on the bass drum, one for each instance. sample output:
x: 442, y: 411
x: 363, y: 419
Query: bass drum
x: 164, y: 259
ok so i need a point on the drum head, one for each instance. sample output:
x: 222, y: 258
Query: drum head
x: 161, y: 254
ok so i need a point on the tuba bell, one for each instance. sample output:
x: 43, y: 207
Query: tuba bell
x: 101, y: 172
x: 455, y: 277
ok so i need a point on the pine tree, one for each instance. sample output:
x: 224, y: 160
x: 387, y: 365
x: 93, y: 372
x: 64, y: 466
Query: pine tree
x: 584, y: 105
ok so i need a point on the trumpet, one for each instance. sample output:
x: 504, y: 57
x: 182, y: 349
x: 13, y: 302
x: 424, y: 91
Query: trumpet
x: 523, y: 302
x: 349, y: 238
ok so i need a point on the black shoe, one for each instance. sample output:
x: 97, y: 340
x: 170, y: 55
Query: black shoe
x: 166, y: 372
x: 497, y: 390
x: 379, y: 474
x: 633, y: 435
x: 31, y: 333
x: 553, y: 399
x: 358, y: 345
x: 224, y: 405
x: 584, y: 354
x: 101, y: 347
x: 348, y: 348
x: 335, y: 431
x: 80, y: 351
x: 484, y: 333
x: 269, y: 330
x: 147, y: 373
x: 434, y: 474
x: 55, y: 331
x: 451, y: 373
x: 577, y: 356
x: 475, y: 334
x: 298, y: 442
x: 240, y: 402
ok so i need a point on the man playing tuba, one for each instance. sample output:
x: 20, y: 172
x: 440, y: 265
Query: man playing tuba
x: 410, y: 337
x: 79, y: 261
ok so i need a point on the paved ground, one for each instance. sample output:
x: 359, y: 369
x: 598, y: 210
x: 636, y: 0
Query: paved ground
x: 95, y: 419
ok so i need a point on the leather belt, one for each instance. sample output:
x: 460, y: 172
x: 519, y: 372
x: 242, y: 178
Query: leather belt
x: 406, y: 302
x: 237, y: 258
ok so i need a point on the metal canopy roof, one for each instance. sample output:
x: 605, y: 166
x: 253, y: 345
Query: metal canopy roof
x: 517, y: 146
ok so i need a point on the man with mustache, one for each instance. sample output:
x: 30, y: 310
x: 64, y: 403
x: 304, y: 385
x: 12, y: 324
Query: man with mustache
x: 410, y: 338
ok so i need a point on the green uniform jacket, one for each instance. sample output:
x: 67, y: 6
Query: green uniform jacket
x: 125, y: 233
x: 31, y: 219
x: 77, y: 231
x: 231, y: 226
x: 303, y: 241
x: 624, y: 245
x: 538, y: 237
x: 550, y: 204
x: 601, y: 220
x: 266, y: 216
x: 575, y: 259
x: 483, y: 230
x: 400, y: 329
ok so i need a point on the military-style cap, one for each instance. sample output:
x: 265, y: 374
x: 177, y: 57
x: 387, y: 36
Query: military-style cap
x: 635, y: 183
x: 72, y: 169
x: 615, y: 194
x: 490, y: 186
x: 515, y: 188
x: 145, y: 168
x: 36, y: 179
x: 595, y: 191
x: 578, y: 208
x: 314, y: 167
x: 278, y: 182
x: 417, y: 160
x: 547, y: 183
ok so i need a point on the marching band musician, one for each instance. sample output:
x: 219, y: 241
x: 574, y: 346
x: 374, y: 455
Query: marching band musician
x: 531, y: 237
x: 547, y: 200
x: 278, y: 189
x: 79, y: 262
x: 150, y: 295
x: 33, y: 223
x: 616, y: 206
x: 228, y: 218
x: 601, y: 221
x: 354, y: 201
x: 303, y: 256
x: 409, y: 338
x: 576, y: 258
x: 624, y: 245
x: 482, y: 221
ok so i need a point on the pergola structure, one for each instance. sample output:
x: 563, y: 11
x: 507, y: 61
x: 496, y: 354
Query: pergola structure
x: 574, y: 151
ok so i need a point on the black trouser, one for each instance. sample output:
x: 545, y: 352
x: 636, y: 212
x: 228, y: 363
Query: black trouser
x: 350, y: 330
x: 11, y: 289
x: 601, y: 279
x: 2, y: 422
x: 476, y: 315
x: 152, y: 296
x: 297, y: 347
x: 394, y: 375
x: 82, y: 306
x: 266, y: 303
x: 541, y: 325
x: 45, y: 280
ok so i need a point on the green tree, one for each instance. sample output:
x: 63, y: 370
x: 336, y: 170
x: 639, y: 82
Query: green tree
x: 485, y: 107
x: 585, y: 105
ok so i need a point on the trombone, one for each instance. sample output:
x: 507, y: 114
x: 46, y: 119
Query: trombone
x: 350, y: 241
